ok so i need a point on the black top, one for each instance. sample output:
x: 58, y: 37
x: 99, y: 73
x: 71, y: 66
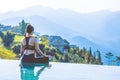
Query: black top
x: 27, y: 46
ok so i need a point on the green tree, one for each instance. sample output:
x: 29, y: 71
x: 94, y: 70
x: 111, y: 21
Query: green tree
x: 42, y: 46
x: 44, y: 40
x: 94, y: 58
x: 22, y: 24
x: 90, y: 56
x: 53, y: 51
x: 8, y: 38
x: 85, y: 55
x: 86, y: 60
x: 66, y: 48
x: 57, y: 57
x: 90, y: 51
x: 99, y: 57
x: 118, y: 60
x: 66, y: 58
x: 16, y: 49
x: 1, y: 34
x: 109, y: 56
x: 83, y: 52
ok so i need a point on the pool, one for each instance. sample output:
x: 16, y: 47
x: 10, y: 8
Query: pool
x: 11, y: 70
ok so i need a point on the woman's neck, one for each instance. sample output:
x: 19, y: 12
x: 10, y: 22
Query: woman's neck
x: 28, y: 35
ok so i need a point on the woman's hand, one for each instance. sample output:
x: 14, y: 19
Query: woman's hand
x: 49, y: 56
x: 20, y: 55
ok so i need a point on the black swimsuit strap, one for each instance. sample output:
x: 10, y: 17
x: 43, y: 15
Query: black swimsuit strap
x: 27, y: 46
x: 27, y: 41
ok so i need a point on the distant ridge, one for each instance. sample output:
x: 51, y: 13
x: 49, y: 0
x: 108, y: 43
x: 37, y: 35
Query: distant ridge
x: 101, y: 27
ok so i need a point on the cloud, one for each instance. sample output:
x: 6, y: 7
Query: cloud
x: 83, y: 6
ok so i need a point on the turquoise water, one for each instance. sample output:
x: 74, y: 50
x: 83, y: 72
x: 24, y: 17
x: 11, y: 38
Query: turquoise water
x: 11, y: 70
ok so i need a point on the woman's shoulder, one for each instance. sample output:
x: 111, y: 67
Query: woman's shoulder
x: 34, y: 39
x: 31, y: 38
x: 22, y: 39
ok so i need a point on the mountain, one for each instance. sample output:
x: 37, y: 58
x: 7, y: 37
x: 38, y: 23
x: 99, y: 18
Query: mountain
x: 42, y: 25
x: 84, y: 42
x: 101, y: 28
x: 35, y: 10
x: 45, y: 26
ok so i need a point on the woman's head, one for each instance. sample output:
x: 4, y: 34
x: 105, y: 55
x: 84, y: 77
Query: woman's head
x: 29, y: 29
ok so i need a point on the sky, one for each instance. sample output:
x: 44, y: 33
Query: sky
x: 82, y: 6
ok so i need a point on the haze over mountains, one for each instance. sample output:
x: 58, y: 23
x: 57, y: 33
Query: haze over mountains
x: 99, y: 29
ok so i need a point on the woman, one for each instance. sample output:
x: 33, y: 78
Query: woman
x: 28, y: 47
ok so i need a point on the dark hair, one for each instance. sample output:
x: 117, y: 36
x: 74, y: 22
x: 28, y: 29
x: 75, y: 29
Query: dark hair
x: 29, y: 29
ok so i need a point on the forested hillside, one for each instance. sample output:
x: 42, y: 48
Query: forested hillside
x: 60, y: 49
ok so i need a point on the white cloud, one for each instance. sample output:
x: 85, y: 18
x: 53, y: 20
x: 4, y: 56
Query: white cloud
x: 76, y: 5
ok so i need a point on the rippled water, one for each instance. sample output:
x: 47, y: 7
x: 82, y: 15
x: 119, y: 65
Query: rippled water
x: 12, y: 70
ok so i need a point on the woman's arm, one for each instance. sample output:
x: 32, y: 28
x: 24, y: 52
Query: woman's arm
x: 38, y: 49
x: 21, y: 49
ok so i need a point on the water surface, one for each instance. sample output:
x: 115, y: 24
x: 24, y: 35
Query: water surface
x: 11, y: 70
